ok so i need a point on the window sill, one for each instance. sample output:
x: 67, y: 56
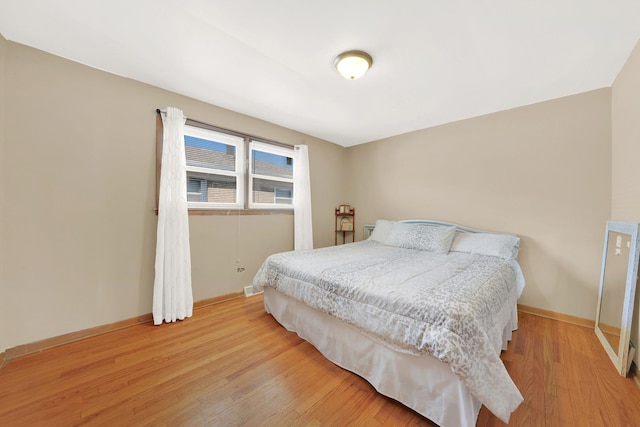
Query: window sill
x: 230, y: 212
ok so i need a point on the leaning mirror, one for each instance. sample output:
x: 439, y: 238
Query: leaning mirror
x: 618, y: 279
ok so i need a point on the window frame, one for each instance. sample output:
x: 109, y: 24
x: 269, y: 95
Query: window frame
x: 239, y: 144
x: 271, y: 149
x: 243, y: 208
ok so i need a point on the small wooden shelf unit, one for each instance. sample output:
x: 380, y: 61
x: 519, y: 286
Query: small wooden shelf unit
x: 345, y: 225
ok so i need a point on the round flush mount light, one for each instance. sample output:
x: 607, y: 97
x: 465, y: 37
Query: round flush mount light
x: 353, y: 64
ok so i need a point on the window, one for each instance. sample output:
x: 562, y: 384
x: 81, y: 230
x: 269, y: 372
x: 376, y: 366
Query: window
x: 270, y: 176
x: 231, y: 171
x: 215, y: 169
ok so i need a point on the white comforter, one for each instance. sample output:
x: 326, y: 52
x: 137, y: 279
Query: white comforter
x: 453, y: 307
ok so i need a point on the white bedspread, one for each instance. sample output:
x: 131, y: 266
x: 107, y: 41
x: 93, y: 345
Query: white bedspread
x: 453, y: 307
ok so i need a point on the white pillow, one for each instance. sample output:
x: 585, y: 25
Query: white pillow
x: 499, y: 245
x: 423, y: 237
x: 381, y: 230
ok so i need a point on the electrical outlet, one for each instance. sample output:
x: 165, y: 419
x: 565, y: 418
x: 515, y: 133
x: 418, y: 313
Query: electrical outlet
x: 240, y: 270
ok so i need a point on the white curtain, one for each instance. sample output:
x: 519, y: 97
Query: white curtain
x: 172, y: 294
x: 302, y: 229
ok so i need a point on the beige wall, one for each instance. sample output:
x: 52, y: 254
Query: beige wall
x: 3, y: 44
x: 625, y: 107
x: 77, y: 201
x: 542, y: 171
x: 77, y: 225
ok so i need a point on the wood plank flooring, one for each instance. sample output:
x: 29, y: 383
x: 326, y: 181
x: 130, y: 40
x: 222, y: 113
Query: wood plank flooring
x: 232, y: 364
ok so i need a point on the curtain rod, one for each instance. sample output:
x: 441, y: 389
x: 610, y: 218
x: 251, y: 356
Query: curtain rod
x: 213, y: 127
x: 159, y: 111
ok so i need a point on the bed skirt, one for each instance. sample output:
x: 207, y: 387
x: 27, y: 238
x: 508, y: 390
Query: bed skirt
x: 422, y: 383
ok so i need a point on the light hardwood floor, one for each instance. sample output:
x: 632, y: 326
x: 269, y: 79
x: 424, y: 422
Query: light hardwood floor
x: 232, y: 364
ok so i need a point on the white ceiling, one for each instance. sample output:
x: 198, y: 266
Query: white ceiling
x: 435, y: 61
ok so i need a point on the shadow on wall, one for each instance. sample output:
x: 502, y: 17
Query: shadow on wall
x: 541, y: 264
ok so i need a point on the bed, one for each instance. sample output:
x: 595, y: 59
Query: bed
x: 421, y: 310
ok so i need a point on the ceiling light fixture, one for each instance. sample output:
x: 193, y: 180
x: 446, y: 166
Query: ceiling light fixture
x: 353, y: 64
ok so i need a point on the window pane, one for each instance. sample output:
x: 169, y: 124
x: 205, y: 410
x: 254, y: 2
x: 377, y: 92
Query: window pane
x: 211, y: 188
x: 269, y: 164
x: 273, y: 192
x: 209, y: 154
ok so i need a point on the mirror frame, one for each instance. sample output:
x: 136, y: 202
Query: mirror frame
x: 620, y: 356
